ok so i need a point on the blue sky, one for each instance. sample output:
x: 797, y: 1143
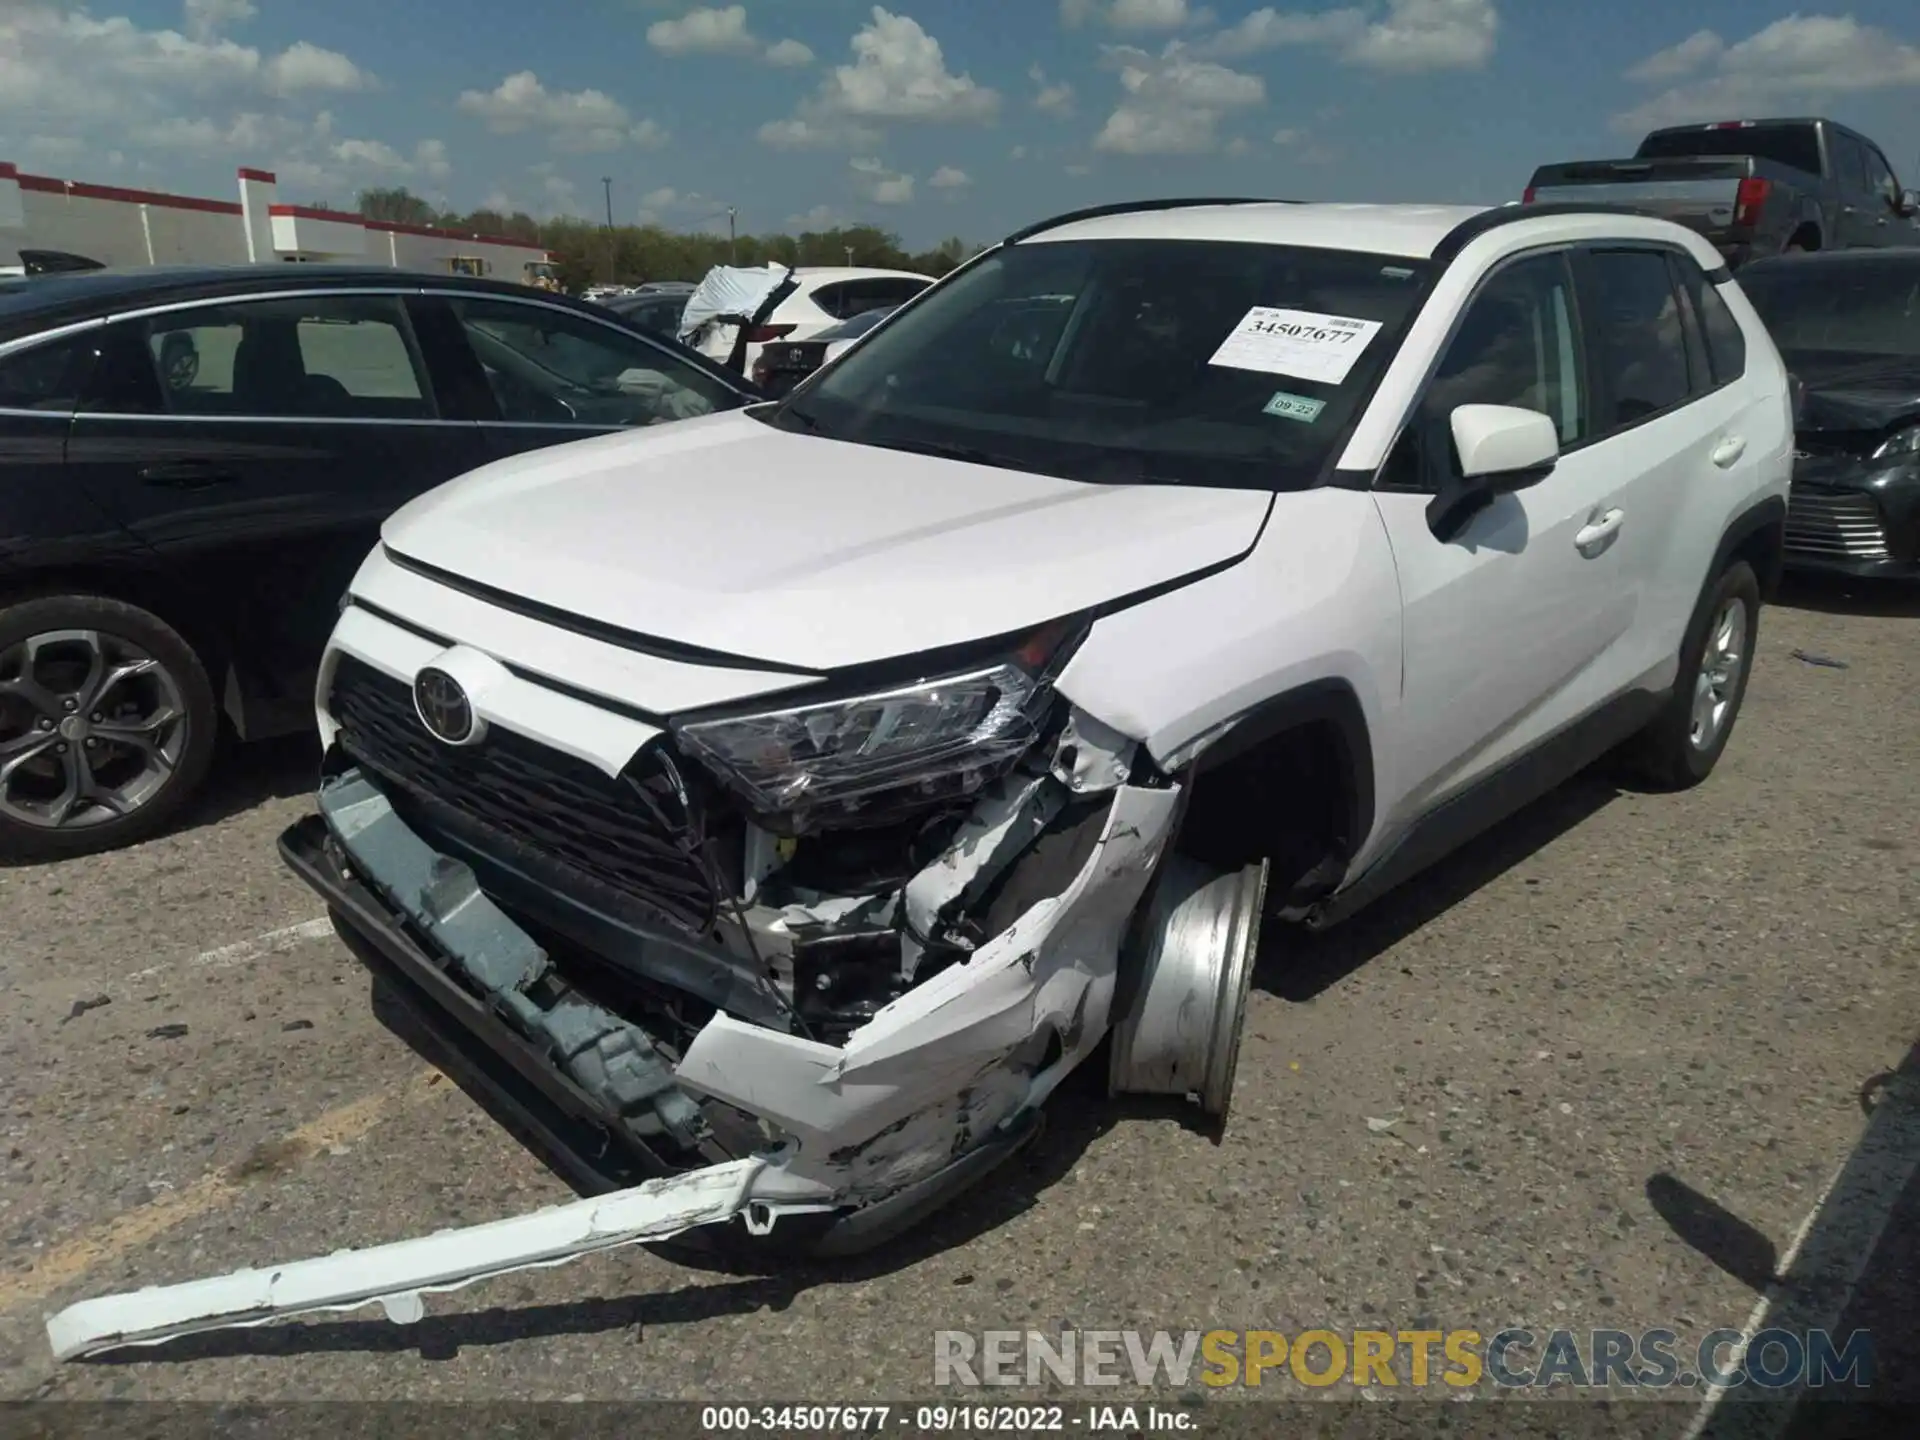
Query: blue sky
x: 928, y: 117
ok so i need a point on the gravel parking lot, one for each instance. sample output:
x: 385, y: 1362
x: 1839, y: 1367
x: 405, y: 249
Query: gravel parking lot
x: 1612, y: 1000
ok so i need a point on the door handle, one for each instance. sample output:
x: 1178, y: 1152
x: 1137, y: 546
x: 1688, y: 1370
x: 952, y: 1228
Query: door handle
x: 188, y: 475
x: 1597, y: 534
x: 1729, y: 451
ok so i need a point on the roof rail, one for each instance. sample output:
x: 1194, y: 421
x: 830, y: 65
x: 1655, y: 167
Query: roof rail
x: 1474, y: 226
x: 1131, y: 207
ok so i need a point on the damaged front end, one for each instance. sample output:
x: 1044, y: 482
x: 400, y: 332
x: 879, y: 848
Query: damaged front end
x: 839, y: 951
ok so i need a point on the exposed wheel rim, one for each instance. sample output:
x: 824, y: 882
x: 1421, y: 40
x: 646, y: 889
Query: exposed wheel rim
x: 1722, y: 664
x: 92, y: 727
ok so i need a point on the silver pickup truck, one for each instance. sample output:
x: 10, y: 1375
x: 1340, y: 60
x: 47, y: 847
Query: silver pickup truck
x: 1752, y: 187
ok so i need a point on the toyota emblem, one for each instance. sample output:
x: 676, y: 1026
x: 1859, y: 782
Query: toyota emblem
x: 442, y: 704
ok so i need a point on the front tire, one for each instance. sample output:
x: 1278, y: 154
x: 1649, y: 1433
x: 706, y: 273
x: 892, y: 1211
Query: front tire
x: 1684, y: 743
x: 107, y: 726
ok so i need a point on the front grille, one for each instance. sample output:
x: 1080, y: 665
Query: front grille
x: 1835, y: 525
x: 564, y: 811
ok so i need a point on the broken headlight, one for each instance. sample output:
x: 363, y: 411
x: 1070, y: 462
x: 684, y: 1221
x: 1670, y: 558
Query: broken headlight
x: 871, y: 759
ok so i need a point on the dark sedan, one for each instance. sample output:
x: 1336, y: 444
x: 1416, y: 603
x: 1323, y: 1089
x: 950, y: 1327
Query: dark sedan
x: 194, y: 462
x: 1848, y: 325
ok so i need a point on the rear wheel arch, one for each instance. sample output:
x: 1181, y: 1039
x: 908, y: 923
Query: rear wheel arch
x: 1758, y: 536
x: 1293, y: 782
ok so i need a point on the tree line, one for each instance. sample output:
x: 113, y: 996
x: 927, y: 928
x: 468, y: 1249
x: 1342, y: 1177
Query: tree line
x: 586, y: 253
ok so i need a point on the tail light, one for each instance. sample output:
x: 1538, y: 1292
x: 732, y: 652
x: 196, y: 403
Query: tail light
x: 1527, y: 198
x: 1747, y: 201
x: 767, y: 334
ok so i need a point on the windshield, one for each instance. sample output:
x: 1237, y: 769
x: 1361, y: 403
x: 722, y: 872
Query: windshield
x: 1869, y: 308
x: 1129, y: 361
x: 1797, y: 146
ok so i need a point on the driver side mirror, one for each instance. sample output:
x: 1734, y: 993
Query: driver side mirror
x: 1907, y: 205
x: 1499, y: 449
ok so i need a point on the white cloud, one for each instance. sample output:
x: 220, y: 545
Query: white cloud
x: 899, y: 74
x: 576, y: 122
x: 1798, y: 63
x: 60, y: 64
x: 375, y: 157
x: 1410, y: 35
x: 1429, y: 35
x: 724, y: 31
x: 875, y: 182
x: 1173, y: 105
x: 703, y: 31
x: 948, y: 177
x: 302, y: 67
x: 665, y: 198
x: 1270, y: 29
x: 1677, y: 60
x: 206, y: 18
x: 788, y: 54
x: 1289, y: 136
x: 1134, y: 14
x: 1053, y: 98
x: 1019, y: 152
x: 820, y: 217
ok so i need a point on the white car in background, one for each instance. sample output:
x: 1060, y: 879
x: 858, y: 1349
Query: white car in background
x: 817, y: 300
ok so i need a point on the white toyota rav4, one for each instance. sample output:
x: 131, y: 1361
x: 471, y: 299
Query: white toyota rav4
x: 787, y: 800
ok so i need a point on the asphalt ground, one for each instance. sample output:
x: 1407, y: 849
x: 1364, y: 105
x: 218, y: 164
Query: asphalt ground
x: 1614, y: 1055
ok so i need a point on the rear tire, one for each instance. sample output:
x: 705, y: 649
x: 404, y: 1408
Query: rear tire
x: 107, y: 726
x: 1680, y: 748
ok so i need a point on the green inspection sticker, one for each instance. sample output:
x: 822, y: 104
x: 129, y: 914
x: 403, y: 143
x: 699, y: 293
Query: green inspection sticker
x: 1295, y: 407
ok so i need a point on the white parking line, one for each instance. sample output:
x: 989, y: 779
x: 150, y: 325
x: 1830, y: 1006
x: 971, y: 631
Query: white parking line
x: 1821, y: 1269
x: 245, y: 952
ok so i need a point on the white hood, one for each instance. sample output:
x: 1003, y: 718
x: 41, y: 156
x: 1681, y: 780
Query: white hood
x: 727, y: 534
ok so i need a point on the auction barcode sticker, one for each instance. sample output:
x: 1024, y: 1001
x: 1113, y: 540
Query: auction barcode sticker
x: 1297, y: 343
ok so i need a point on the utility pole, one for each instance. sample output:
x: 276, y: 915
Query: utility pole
x: 733, y: 235
x: 606, y: 183
x: 849, y: 250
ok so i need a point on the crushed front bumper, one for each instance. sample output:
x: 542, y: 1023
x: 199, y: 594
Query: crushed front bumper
x: 920, y: 1103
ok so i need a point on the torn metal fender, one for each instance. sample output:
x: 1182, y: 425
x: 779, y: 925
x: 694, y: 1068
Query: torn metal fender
x: 931, y: 1068
x: 396, y: 1276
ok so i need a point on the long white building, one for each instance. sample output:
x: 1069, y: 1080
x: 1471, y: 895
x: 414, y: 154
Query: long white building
x: 118, y: 226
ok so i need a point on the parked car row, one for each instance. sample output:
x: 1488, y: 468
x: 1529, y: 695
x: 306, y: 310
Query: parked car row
x: 787, y: 800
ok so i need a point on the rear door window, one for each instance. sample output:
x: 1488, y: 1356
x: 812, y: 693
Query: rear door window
x: 319, y: 357
x: 1635, y: 335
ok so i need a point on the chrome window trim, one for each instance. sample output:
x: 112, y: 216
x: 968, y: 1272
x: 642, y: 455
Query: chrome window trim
x: 62, y: 332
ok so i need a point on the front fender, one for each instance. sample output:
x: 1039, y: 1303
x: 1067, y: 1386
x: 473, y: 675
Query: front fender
x: 1314, y: 610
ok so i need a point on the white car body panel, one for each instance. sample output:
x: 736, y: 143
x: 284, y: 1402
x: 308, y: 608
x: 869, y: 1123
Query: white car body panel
x: 834, y: 554
x: 1317, y: 600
